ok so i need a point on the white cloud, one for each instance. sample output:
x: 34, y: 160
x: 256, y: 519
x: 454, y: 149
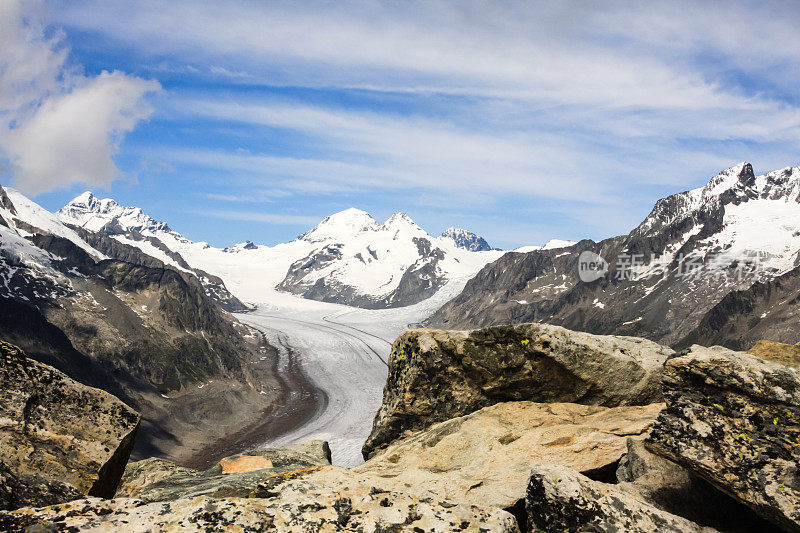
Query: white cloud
x: 58, y: 126
x: 402, y: 151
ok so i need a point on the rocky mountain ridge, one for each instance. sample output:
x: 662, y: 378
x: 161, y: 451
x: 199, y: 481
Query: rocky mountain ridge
x: 663, y: 279
x: 466, y: 240
x: 111, y: 316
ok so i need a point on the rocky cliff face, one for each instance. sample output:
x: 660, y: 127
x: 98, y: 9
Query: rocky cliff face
x: 58, y: 437
x: 435, y: 375
x: 665, y: 278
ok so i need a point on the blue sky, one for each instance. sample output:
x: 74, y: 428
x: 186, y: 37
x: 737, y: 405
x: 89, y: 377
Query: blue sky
x: 521, y: 121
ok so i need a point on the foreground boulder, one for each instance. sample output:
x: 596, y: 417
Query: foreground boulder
x: 734, y: 419
x: 346, y: 510
x: 484, y: 458
x: 55, y: 431
x: 560, y: 499
x: 435, y: 375
x: 154, y: 480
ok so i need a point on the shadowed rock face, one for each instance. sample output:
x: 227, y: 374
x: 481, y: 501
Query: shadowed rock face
x: 734, y: 419
x: 674, y: 489
x: 31, y: 490
x: 435, y: 375
x: 560, y: 499
x: 59, y: 431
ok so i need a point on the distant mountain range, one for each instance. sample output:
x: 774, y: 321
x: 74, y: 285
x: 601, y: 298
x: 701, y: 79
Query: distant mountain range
x: 717, y: 264
x: 348, y: 258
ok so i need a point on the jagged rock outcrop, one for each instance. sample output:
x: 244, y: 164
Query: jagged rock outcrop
x: 734, y: 419
x: 156, y: 480
x: 560, y: 499
x: 54, y: 430
x: 435, y: 375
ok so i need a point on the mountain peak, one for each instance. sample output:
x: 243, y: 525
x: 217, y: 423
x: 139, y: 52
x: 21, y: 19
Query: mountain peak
x: 89, y: 212
x: 344, y: 223
x: 402, y: 222
x: 84, y: 198
x: 466, y: 239
x: 738, y: 176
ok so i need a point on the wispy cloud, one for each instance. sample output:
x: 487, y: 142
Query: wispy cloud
x: 269, y: 218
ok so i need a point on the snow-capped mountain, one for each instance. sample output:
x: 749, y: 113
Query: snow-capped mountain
x: 692, y: 250
x: 466, y: 239
x: 107, y: 216
x: 347, y: 258
x: 91, y: 216
x: 357, y: 261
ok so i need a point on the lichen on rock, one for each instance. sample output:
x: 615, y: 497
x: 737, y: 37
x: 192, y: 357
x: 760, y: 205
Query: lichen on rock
x: 734, y: 419
x: 55, y: 430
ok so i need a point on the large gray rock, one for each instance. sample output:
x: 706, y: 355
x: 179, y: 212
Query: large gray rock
x: 734, y: 419
x: 435, y: 375
x: 560, y: 499
x: 54, y: 430
x: 155, y: 480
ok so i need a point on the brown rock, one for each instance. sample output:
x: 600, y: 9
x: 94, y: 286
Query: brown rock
x: 158, y: 480
x: 59, y: 430
x: 485, y: 458
x: 777, y: 352
x: 244, y: 463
